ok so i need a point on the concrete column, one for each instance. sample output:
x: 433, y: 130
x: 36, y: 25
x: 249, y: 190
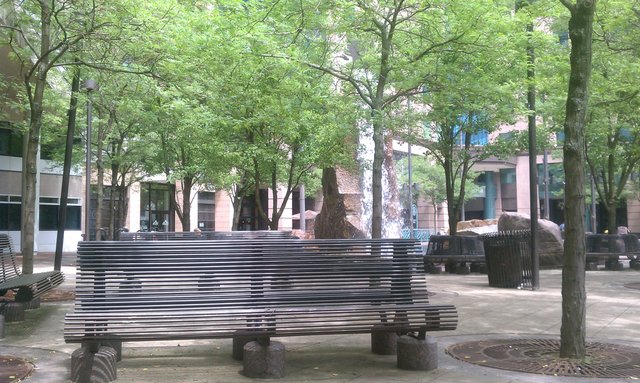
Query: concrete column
x: 490, y: 196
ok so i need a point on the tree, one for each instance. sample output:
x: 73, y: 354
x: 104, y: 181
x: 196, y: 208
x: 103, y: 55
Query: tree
x: 39, y: 34
x: 613, y: 130
x: 573, y: 328
x: 378, y: 52
x: 471, y: 94
x: 430, y: 182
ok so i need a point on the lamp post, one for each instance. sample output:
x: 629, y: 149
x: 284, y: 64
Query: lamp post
x: 89, y: 85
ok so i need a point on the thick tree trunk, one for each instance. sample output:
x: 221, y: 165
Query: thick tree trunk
x: 573, y: 329
x: 30, y: 185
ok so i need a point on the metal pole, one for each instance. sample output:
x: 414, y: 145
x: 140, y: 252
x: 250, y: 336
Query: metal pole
x: 66, y: 171
x: 411, y: 234
x: 303, y: 222
x: 594, y: 228
x: 533, y: 167
x: 546, y: 185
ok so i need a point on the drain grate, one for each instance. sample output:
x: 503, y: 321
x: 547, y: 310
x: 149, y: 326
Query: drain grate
x: 14, y: 369
x: 633, y: 285
x: 541, y: 356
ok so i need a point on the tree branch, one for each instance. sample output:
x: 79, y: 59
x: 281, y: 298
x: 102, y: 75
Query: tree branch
x: 570, y: 6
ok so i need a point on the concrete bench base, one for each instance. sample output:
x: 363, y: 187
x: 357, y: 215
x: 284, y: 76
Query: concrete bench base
x: 263, y: 361
x: 13, y: 312
x: 32, y: 304
x: 383, y: 341
x: 98, y: 367
x: 417, y: 354
x: 240, y: 339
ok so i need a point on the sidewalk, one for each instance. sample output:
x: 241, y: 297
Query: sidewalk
x: 484, y: 313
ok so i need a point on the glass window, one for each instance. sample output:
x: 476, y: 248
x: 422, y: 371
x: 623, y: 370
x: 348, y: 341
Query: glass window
x: 206, y: 210
x: 10, y: 216
x: 156, y: 211
x: 10, y: 141
x: 49, y: 217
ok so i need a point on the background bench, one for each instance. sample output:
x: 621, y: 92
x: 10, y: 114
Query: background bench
x: 249, y: 289
x: 457, y: 252
x: 25, y: 286
x: 208, y: 235
x: 608, y: 248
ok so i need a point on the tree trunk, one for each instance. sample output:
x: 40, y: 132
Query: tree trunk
x: 573, y: 329
x: 612, y: 217
x: 100, y: 178
x: 392, y: 203
x: 376, y: 181
x: 185, y: 217
x: 30, y: 185
x: 452, y: 209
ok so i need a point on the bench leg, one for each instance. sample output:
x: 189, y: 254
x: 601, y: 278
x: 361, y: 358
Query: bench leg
x: 263, y: 361
x: 93, y: 363
x: 13, y: 312
x: 383, y: 341
x: 116, y: 345
x: 417, y: 354
x: 240, y: 338
x: 32, y: 304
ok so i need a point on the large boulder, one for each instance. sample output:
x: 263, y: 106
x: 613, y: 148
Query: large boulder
x: 550, y: 246
x: 477, y: 227
x: 339, y: 217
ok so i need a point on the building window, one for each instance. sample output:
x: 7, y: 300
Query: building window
x: 207, y: 211
x: 10, y: 213
x: 156, y: 210
x: 49, y: 208
x: 10, y: 141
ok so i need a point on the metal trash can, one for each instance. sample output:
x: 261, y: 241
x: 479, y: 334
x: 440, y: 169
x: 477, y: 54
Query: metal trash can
x: 508, y: 259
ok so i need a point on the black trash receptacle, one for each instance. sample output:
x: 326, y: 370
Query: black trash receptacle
x: 508, y: 258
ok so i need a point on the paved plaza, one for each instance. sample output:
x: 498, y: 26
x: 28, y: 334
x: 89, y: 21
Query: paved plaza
x: 485, y: 313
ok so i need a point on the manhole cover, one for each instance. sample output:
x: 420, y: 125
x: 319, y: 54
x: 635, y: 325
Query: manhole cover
x: 540, y: 356
x: 14, y: 369
x: 634, y: 285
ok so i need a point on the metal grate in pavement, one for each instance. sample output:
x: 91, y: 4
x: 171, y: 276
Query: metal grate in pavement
x: 541, y: 356
x: 14, y: 369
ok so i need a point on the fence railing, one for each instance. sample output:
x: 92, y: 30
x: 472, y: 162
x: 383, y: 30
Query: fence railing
x: 421, y: 235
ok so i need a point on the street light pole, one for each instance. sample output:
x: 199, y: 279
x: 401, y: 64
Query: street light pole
x: 89, y: 85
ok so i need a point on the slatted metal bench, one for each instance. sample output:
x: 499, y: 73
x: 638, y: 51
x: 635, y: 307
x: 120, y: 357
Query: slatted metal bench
x: 607, y: 249
x: 25, y: 286
x: 209, y: 235
x: 255, y: 289
x: 457, y: 252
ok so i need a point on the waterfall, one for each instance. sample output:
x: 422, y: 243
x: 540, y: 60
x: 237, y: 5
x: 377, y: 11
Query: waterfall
x: 391, y: 228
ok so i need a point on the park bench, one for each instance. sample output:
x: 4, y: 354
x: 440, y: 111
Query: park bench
x: 608, y: 248
x: 247, y: 290
x: 209, y: 235
x: 458, y: 253
x: 26, y: 287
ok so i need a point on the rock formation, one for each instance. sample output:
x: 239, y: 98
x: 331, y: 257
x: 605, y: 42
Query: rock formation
x: 340, y: 214
x: 550, y: 246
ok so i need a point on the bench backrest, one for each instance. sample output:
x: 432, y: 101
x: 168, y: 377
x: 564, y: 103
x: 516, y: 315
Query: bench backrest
x: 8, y: 262
x: 187, y: 275
x: 455, y: 244
x: 203, y: 235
